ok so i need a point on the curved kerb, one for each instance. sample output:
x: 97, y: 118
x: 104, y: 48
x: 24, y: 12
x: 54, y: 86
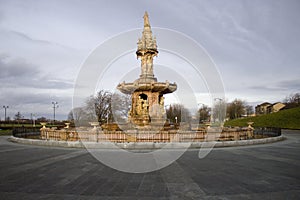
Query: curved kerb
x: 143, y: 145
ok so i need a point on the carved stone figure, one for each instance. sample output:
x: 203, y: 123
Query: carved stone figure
x: 149, y: 65
x: 139, y: 106
x: 145, y: 107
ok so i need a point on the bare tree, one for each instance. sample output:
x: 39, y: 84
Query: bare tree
x: 120, y: 107
x: 42, y: 119
x: 249, y: 110
x: 177, y: 112
x: 292, y: 101
x: 218, y: 113
x: 18, y: 117
x: 236, y: 109
x: 78, y: 116
x: 71, y: 116
x: 204, y: 113
x: 98, y: 107
x: 102, y: 107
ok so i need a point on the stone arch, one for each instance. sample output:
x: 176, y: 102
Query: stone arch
x: 143, y: 104
x: 143, y: 96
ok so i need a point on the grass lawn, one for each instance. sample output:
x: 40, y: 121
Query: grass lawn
x: 288, y: 119
x: 5, y: 132
x: 20, y: 125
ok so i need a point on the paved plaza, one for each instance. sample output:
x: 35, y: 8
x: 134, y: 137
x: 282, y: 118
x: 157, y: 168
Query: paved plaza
x: 268, y: 171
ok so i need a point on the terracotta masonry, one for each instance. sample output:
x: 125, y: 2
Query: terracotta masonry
x: 146, y: 92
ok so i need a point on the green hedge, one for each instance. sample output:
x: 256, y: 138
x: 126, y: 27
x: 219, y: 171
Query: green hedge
x: 289, y: 119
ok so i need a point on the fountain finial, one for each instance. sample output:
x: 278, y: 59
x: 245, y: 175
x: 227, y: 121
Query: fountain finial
x: 146, y: 19
x: 146, y: 50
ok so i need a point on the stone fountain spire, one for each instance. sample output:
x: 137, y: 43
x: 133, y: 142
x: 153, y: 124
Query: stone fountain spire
x: 146, y: 92
x: 146, y: 50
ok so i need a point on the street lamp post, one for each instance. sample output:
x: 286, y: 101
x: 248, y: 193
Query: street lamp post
x: 5, y: 107
x: 33, y: 119
x: 220, y: 100
x: 176, y: 120
x: 55, y: 106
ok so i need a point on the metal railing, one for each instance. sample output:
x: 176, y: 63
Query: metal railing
x: 267, y: 131
x: 26, y: 132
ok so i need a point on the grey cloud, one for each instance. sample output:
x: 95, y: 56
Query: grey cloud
x: 34, y: 97
x: 36, y: 41
x: 29, y: 82
x: 26, y: 37
x: 33, y: 102
x: 40, y: 83
x: 286, y: 86
x: 22, y: 98
x: 290, y: 84
x: 15, y: 67
x: 17, y: 72
x: 57, y: 84
x: 262, y: 88
x: 1, y: 16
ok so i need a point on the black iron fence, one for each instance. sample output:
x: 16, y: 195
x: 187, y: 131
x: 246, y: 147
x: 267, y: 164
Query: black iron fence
x: 267, y: 131
x: 25, y: 132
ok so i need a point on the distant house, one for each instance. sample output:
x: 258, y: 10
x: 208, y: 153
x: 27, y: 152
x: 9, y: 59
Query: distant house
x: 275, y: 107
x: 262, y: 108
x: 266, y: 108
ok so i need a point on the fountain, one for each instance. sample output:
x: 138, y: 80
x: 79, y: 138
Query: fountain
x: 147, y: 110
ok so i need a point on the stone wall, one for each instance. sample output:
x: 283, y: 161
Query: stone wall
x: 97, y: 135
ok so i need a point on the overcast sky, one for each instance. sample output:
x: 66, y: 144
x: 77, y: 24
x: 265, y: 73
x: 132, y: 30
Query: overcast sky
x: 255, y: 45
